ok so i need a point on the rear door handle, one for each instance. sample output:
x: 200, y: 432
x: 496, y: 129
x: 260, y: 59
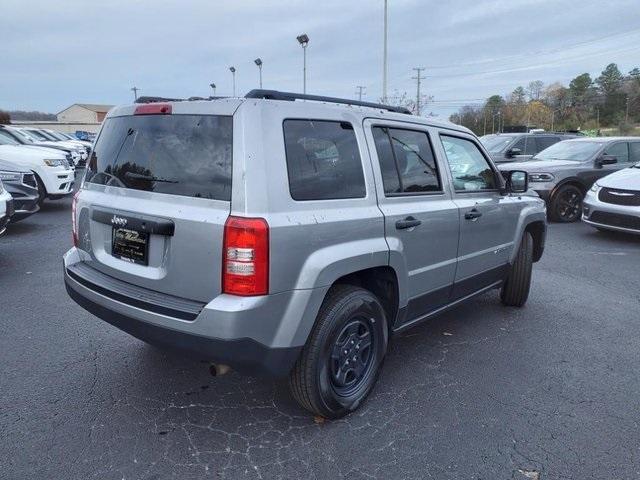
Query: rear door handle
x: 408, y: 222
x: 472, y: 215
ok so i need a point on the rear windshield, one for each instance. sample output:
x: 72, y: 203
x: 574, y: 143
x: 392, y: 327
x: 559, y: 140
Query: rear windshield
x: 187, y: 155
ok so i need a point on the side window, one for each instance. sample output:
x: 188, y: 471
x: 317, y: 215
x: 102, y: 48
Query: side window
x: 546, y: 142
x: 323, y: 160
x: 406, y: 161
x: 619, y: 150
x: 469, y: 168
x: 634, y: 150
x: 527, y: 145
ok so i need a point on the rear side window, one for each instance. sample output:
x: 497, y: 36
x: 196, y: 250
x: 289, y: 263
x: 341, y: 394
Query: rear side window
x: 323, y: 160
x: 187, y: 155
x: 634, y: 150
x: 546, y: 142
x: 406, y: 161
x: 527, y: 146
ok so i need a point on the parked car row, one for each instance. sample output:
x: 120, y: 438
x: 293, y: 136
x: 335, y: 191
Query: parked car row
x: 35, y: 165
x: 596, y: 179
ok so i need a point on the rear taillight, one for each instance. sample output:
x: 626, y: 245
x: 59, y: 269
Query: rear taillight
x: 245, y: 256
x: 74, y: 221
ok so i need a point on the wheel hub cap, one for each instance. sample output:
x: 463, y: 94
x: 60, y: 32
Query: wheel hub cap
x: 351, y: 354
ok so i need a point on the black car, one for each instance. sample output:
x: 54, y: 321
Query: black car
x: 518, y: 147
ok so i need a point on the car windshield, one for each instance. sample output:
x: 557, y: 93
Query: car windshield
x: 57, y: 136
x: 7, y: 140
x: 39, y: 135
x: 495, y: 143
x: 23, y: 136
x: 578, y: 151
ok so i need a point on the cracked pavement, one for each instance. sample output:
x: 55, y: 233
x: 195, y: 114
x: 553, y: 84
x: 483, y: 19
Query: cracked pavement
x: 550, y: 391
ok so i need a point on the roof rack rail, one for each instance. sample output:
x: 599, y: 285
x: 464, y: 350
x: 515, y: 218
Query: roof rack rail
x: 157, y: 99
x: 290, y: 97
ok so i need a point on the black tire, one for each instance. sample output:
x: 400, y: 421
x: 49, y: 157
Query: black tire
x: 42, y: 191
x: 515, y: 290
x: 316, y: 381
x: 566, y: 204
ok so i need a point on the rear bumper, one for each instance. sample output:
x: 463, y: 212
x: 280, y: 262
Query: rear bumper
x: 244, y: 355
x: 254, y: 335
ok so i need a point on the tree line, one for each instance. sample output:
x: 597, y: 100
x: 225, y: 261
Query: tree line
x: 6, y: 116
x: 610, y: 100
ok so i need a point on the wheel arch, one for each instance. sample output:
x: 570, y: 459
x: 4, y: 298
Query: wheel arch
x: 382, y: 281
x: 538, y: 231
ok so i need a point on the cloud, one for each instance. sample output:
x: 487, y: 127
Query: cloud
x: 58, y: 53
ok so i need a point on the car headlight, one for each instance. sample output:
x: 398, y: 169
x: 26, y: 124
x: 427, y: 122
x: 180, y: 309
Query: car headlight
x: 595, y: 188
x: 55, y: 162
x: 10, y: 176
x: 541, y: 177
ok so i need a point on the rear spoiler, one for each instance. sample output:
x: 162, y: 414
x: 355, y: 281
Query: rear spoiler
x: 164, y: 99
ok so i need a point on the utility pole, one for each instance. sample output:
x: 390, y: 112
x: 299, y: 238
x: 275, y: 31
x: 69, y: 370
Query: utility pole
x: 626, y: 115
x: 135, y: 92
x: 384, y: 57
x: 418, y: 77
x: 360, y: 91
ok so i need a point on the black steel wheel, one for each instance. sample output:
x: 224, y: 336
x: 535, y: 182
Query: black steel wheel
x: 566, y: 205
x: 339, y: 365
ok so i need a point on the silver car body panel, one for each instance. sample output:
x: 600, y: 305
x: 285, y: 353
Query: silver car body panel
x: 312, y: 243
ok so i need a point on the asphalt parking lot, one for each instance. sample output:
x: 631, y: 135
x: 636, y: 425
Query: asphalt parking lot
x: 550, y: 391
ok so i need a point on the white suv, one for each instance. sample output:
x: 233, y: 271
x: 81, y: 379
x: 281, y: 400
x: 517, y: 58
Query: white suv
x: 54, y: 175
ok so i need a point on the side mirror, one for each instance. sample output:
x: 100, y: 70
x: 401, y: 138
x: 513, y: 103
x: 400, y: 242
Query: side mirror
x: 512, y: 152
x: 517, y: 181
x: 606, y: 160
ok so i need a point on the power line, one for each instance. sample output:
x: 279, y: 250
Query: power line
x: 537, y: 52
x: 533, y: 67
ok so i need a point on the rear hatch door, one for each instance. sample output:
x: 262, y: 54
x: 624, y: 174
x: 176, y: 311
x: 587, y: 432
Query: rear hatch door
x: 156, y: 196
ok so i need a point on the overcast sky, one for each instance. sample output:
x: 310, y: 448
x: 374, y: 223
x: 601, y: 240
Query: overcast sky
x: 55, y: 53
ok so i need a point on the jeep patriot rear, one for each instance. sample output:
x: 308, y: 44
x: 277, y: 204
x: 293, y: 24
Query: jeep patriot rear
x: 289, y: 237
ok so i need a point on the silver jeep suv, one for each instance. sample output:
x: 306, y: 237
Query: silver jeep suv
x: 293, y: 235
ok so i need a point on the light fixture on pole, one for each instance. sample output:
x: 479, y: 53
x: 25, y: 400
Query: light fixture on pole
x: 258, y: 62
x: 213, y: 86
x: 303, y: 40
x: 233, y: 72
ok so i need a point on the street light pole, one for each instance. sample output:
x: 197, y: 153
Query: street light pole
x: 303, y: 40
x: 233, y: 72
x: 213, y: 86
x: 384, y: 57
x: 258, y: 62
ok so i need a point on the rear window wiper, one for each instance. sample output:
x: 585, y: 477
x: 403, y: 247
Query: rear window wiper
x: 150, y: 178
